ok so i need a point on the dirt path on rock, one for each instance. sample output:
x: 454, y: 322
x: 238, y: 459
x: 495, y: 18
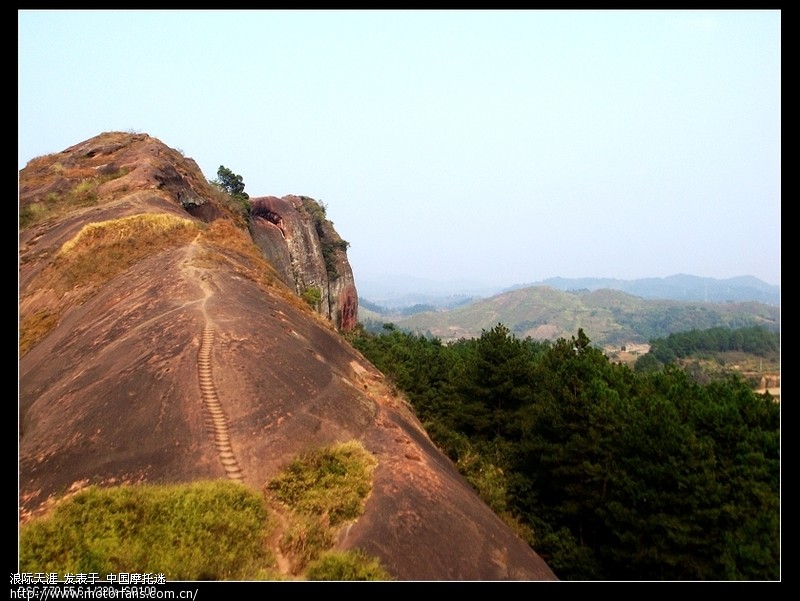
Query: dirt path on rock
x: 215, y: 417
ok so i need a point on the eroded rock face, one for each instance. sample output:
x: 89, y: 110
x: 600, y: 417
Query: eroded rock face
x: 310, y: 256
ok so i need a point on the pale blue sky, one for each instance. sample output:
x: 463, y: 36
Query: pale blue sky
x: 500, y: 147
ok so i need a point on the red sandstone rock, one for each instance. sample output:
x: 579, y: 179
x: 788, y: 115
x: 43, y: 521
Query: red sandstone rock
x: 116, y: 386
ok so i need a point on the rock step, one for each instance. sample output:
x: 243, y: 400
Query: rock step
x: 215, y: 419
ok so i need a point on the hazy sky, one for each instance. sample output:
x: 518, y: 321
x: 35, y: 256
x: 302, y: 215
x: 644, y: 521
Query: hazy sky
x: 500, y: 147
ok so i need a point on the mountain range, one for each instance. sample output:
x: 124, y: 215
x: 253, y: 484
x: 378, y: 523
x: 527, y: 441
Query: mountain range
x: 608, y: 317
x: 680, y: 287
x: 403, y: 291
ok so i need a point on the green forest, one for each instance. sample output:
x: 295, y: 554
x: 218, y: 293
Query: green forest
x: 610, y: 473
x: 753, y: 340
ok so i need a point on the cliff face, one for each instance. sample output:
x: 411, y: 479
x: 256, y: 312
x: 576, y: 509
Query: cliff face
x: 308, y: 253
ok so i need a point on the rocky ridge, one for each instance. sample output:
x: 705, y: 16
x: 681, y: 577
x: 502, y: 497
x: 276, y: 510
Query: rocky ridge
x: 162, y: 340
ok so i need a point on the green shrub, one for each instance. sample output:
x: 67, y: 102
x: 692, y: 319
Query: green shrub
x: 313, y: 296
x: 346, y: 565
x: 329, y: 255
x: 232, y: 185
x: 333, y: 481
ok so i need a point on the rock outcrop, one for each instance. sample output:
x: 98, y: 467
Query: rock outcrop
x: 159, y: 344
x: 293, y: 232
x: 308, y: 253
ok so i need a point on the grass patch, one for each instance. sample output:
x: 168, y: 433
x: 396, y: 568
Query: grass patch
x: 103, y: 249
x: 34, y: 327
x: 346, y: 565
x: 239, y: 208
x: 486, y: 478
x: 333, y: 482
x: 200, y: 531
x: 36, y: 211
x: 305, y: 540
x: 84, y: 194
x: 224, y: 236
x: 323, y: 489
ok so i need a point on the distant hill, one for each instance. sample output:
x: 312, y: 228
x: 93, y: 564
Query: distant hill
x: 608, y: 317
x: 402, y: 295
x: 680, y: 287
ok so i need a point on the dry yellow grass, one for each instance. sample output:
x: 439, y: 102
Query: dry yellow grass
x: 143, y: 229
x: 54, y: 204
x: 97, y: 253
x: 103, y: 249
x: 35, y: 327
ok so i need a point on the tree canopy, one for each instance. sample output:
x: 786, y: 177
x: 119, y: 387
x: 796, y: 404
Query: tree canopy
x: 232, y: 183
x: 619, y: 474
